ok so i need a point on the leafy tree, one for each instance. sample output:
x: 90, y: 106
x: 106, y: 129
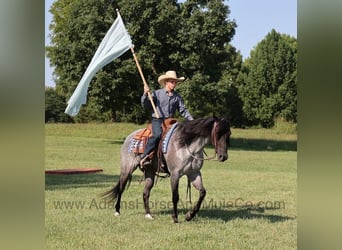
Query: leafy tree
x: 191, y: 37
x: 206, y: 56
x: 268, y: 82
x: 77, y: 29
x: 55, y: 106
x: 226, y: 91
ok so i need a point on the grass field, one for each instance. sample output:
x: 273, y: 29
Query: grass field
x: 251, y: 200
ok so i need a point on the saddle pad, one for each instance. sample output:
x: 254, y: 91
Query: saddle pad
x: 137, y: 146
x: 165, y: 142
x: 138, y: 142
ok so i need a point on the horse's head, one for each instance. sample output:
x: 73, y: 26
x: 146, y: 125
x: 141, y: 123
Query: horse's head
x: 220, y: 136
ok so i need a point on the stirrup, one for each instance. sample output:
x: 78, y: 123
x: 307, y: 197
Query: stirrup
x: 145, y: 161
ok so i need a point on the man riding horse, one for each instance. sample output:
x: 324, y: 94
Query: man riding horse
x: 184, y: 154
x: 167, y: 101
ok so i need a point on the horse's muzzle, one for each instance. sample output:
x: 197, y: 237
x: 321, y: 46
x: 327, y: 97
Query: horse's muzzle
x: 222, y: 158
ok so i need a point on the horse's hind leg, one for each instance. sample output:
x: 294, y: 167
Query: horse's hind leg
x: 124, y: 179
x: 149, y: 182
x: 196, y: 181
x: 129, y: 164
x: 115, y: 193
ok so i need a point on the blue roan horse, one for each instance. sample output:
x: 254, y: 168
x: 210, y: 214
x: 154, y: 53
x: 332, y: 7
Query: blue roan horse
x: 184, y: 156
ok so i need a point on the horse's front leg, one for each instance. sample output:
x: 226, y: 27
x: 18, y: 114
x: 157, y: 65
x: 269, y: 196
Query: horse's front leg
x: 175, y: 196
x: 196, y: 181
x: 149, y: 182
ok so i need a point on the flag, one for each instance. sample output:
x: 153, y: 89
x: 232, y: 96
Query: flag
x: 116, y: 42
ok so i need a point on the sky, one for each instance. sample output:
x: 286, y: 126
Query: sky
x: 254, y: 19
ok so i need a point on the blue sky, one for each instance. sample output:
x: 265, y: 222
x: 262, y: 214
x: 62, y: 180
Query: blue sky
x: 254, y: 20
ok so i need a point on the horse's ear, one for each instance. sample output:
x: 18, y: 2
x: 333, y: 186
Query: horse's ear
x: 214, y: 116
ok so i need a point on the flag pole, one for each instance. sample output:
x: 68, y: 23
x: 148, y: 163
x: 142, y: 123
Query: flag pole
x: 143, y: 78
x: 145, y: 83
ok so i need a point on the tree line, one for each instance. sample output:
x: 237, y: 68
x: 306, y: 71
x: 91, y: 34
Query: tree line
x: 193, y: 38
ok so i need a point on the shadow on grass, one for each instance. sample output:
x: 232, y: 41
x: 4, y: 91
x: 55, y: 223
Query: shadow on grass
x: 242, y: 213
x: 119, y: 142
x: 60, y: 181
x: 262, y: 144
x: 228, y: 215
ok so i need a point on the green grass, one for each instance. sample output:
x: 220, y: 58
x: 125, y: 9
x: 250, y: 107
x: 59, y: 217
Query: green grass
x: 262, y: 169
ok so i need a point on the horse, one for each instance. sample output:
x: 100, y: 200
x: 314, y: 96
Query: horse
x: 184, y: 156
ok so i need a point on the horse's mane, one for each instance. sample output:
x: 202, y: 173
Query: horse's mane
x: 188, y: 130
x: 202, y: 127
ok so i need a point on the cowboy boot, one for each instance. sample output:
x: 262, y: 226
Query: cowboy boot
x: 145, y: 160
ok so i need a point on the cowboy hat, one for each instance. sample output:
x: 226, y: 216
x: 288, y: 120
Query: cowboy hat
x: 169, y: 75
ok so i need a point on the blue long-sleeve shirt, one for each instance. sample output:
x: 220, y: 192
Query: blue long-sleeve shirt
x: 166, y: 105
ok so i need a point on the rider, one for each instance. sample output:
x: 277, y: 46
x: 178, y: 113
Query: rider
x: 167, y: 101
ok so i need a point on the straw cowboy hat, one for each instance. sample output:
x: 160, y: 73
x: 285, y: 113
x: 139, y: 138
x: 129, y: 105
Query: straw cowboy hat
x: 169, y: 75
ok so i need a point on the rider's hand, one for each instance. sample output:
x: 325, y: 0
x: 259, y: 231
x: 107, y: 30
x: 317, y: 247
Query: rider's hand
x: 146, y: 89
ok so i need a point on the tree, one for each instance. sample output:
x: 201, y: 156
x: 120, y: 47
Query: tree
x: 228, y: 100
x: 77, y: 29
x: 206, y: 56
x: 55, y: 106
x: 191, y: 37
x: 268, y: 82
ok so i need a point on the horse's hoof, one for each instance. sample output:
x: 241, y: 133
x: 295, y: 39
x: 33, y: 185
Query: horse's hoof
x: 175, y: 219
x: 116, y: 214
x: 188, y: 216
x: 148, y: 216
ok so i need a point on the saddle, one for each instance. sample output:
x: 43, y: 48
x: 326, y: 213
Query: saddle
x: 146, y: 133
x: 143, y: 136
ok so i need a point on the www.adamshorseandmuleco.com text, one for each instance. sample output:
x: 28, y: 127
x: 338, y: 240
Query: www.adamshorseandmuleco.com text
x: 238, y: 203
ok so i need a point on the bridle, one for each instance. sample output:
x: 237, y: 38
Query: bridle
x: 214, y: 136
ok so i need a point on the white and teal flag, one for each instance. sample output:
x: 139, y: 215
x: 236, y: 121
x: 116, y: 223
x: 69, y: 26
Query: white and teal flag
x: 116, y: 42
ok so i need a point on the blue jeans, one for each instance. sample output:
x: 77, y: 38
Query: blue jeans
x: 156, y: 135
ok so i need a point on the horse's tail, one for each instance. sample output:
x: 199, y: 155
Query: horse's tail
x: 112, y: 194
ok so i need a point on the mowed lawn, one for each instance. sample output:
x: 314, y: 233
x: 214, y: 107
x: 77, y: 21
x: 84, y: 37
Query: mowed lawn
x: 251, y: 200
